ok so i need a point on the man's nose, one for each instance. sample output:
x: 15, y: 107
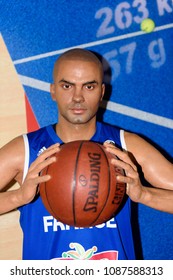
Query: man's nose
x: 78, y: 95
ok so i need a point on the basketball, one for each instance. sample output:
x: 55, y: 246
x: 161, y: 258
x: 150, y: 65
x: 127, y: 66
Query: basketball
x: 83, y: 190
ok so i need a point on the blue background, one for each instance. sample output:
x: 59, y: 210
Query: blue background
x: 35, y: 32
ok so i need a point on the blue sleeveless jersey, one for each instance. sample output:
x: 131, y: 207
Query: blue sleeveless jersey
x: 47, y: 238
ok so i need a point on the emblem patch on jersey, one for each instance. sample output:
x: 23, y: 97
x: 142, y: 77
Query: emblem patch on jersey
x: 41, y: 151
x: 79, y: 253
x: 110, y: 142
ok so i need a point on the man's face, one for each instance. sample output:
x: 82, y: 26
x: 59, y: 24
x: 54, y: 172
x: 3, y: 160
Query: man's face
x: 78, y: 90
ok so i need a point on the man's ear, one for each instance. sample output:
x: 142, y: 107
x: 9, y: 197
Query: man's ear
x: 103, y: 91
x: 52, y: 91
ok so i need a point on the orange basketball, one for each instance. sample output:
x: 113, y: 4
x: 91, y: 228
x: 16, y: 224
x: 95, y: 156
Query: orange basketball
x: 83, y: 190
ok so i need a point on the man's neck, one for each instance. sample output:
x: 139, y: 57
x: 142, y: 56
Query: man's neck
x: 73, y: 132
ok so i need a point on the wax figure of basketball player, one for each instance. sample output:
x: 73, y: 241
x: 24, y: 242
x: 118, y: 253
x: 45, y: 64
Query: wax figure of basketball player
x: 78, y: 90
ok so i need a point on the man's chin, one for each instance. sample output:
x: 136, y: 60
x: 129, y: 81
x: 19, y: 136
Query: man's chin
x: 79, y: 121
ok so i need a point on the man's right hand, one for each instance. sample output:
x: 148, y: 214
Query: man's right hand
x: 29, y: 187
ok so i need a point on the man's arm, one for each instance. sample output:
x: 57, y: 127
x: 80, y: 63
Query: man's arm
x: 160, y: 199
x: 157, y: 170
x: 12, y: 157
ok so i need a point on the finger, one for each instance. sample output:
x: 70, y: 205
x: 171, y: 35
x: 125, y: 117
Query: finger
x: 114, y: 150
x: 42, y: 179
x: 130, y: 169
x: 50, y: 151
x: 45, y: 155
x: 109, y: 143
x: 37, y: 168
x: 125, y: 179
x: 54, y: 146
x: 122, y: 155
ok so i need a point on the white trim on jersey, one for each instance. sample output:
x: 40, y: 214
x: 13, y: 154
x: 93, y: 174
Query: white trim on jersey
x: 122, y: 139
x: 26, y: 161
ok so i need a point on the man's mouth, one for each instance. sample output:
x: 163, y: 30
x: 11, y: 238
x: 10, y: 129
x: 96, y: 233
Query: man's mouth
x: 78, y: 110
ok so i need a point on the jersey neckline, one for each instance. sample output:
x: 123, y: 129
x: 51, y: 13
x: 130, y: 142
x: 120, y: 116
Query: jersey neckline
x: 57, y: 139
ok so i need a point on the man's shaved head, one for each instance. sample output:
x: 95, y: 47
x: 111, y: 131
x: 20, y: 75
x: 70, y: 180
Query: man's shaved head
x: 77, y: 54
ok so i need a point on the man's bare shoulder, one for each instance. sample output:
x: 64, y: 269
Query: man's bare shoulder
x: 142, y: 150
x: 132, y: 139
x: 138, y: 146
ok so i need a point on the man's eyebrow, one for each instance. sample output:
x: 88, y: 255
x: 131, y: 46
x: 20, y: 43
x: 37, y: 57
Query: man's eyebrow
x: 70, y: 83
x: 64, y: 81
x: 91, y: 82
